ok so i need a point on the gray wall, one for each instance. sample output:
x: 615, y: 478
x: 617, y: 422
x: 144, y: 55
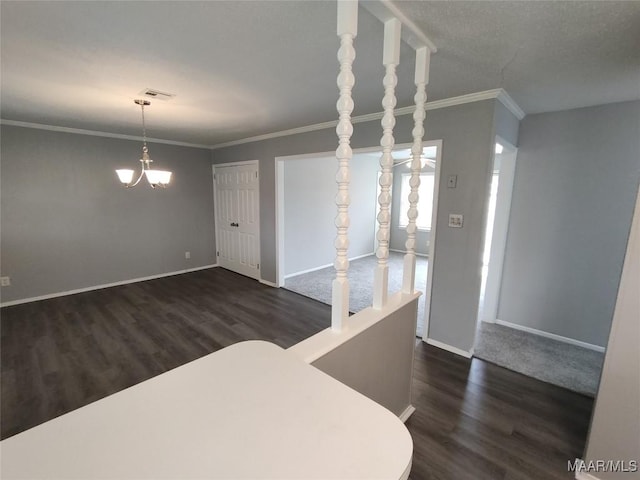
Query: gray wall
x: 468, y: 135
x: 576, y: 177
x: 467, y: 151
x: 310, y: 210
x: 506, y: 124
x: 67, y: 223
x: 615, y: 425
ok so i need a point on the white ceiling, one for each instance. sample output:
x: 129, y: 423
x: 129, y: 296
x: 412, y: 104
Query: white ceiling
x: 245, y: 68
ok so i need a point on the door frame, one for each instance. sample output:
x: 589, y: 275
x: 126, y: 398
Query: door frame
x: 432, y: 240
x: 215, y: 216
x: 279, y: 200
x: 493, y: 286
x: 279, y: 167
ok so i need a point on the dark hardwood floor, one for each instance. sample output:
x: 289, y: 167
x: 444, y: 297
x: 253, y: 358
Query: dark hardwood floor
x: 60, y: 354
x: 474, y: 420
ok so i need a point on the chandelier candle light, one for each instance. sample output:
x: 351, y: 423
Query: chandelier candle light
x: 154, y: 177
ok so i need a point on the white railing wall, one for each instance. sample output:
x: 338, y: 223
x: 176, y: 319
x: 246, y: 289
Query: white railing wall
x: 421, y: 79
x: 372, y: 351
x: 390, y: 60
x: 347, y: 30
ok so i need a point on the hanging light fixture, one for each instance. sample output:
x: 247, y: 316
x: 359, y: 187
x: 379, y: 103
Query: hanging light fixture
x: 154, y: 177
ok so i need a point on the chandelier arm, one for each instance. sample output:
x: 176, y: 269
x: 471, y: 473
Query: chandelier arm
x: 138, y: 180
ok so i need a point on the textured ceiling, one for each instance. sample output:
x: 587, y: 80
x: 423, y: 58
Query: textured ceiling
x: 548, y: 55
x: 245, y: 68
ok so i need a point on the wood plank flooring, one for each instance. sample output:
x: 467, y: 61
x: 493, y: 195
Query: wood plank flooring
x: 60, y: 354
x: 474, y: 420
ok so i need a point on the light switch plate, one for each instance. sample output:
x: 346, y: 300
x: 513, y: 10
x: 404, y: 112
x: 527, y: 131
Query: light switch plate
x: 452, y: 181
x: 455, y: 220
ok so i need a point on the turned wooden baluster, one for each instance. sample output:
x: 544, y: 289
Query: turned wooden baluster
x: 421, y: 79
x: 390, y: 60
x: 347, y: 30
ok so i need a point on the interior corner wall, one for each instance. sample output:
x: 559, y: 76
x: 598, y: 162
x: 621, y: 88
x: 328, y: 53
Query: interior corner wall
x: 467, y: 134
x: 576, y: 177
x: 68, y: 224
x: 506, y: 124
x: 310, y: 210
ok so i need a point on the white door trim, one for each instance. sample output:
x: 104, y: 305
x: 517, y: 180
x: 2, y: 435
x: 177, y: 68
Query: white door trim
x: 279, y: 189
x: 504, y: 195
x: 238, y: 164
x: 432, y: 238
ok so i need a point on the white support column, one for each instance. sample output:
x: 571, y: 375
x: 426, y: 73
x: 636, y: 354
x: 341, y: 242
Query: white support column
x: 423, y: 56
x: 347, y: 30
x: 390, y: 60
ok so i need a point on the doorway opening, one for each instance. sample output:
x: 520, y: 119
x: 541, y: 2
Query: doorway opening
x: 503, y: 341
x: 305, y: 212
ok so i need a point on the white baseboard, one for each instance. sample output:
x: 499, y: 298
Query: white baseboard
x: 552, y: 336
x: 302, y: 272
x: 106, y: 285
x: 404, y: 416
x: 449, y: 348
x: 404, y: 251
x: 267, y: 282
x: 315, y: 269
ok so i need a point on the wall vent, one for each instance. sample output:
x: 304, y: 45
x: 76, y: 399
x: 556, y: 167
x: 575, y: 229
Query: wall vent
x: 157, y: 94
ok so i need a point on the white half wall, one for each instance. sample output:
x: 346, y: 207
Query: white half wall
x: 373, y: 355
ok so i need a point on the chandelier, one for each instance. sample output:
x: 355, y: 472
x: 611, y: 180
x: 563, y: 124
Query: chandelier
x: 154, y: 177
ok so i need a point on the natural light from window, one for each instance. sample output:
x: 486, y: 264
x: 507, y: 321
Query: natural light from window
x: 425, y: 201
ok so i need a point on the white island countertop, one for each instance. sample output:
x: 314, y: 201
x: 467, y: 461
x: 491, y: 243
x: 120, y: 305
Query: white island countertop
x: 249, y: 411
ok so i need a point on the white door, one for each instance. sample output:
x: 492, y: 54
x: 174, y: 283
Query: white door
x: 238, y: 218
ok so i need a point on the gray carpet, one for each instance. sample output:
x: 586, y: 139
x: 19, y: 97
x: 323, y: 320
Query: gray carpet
x: 559, y: 363
x: 317, y: 285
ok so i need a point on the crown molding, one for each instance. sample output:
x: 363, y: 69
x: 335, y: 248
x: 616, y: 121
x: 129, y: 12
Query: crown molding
x: 95, y: 133
x: 511, y: 104
x: 500, y: 94
x: 497, y: 93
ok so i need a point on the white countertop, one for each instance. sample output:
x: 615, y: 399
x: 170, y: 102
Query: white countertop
x: 249, y: 411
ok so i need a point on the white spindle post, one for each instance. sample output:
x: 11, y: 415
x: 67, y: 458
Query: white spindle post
x: 390, y: 60
x: 421, y: 80
x: 347, y: 30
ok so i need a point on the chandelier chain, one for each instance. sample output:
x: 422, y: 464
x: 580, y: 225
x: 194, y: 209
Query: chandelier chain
x: 144, y: 131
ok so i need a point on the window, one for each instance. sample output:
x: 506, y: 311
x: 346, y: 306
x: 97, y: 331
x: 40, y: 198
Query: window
x: 425, y: 200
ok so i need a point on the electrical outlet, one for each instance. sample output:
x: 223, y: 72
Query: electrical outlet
x: 455, y: 220
x: 187, y: 255
x: 5, y: 281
